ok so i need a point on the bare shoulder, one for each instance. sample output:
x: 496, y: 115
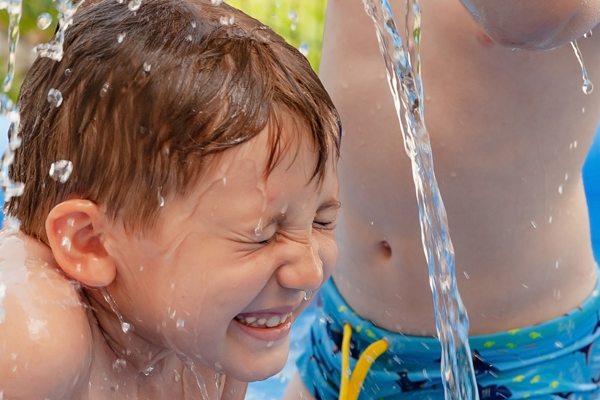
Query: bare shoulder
x: 45, y: 345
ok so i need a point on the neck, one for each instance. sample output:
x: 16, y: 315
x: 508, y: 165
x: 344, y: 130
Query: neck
x: 148, y: 366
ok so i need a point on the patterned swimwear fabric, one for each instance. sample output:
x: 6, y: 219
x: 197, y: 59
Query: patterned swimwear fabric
x: 557, y: 359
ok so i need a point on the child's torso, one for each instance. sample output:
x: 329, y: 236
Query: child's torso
x: 509, y: 131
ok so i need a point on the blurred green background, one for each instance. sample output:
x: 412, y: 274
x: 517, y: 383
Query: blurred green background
x: 300, y: 22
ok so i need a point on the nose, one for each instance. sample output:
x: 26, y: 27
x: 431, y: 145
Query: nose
x: 300, y: 266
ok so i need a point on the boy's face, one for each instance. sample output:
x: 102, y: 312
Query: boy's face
x: 225, y: 271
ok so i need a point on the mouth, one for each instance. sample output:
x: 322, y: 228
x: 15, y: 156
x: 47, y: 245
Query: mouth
x: 263, y: 321
x: 270, y: 327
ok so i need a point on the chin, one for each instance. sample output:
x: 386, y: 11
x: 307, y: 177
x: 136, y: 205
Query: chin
x: 268, y: 364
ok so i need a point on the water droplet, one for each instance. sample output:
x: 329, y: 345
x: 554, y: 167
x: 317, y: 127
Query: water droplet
x: 533, y: 224
x: 66, y: 243
x: 293, y: 16
x: 61, y: 170
x: 55, y: 97
x: 560, y: 189
x: 559, y: 345
x: 583, y: 110
x: 119, y: 365
x: 293, y: 26
x: 148, y: 370
x: 68, y: 71
x: 105, y: 89
x: 227, y: 20
x: 587, y: 34
x: 566, y: 176
x: 304, y: 49
x: 180, y: 324
x: 587, y: 86
x: 44, y: 21
x: 134, y: 5
x: 575, y: 144
x: 194, y: 24
x: 147, y: 67
x: 258, y: 230
x: 161, y: 200
x: 308, y: 296
x: 224, y: 181
x: 557, y: 263
x: 550, y: 219
x: 189, y: 38
x: 466, y: 275
x: 120, y: 37
x: 177, y: 376
x: 525, y: 286
x: 216, y: 2
x: 270, y: 344
x: 126, y: 327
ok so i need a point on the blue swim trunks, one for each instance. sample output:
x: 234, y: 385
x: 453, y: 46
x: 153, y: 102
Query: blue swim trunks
x: 557, y: 359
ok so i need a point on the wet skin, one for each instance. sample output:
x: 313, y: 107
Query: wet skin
x: 507, y: 128
x: 181, y: 285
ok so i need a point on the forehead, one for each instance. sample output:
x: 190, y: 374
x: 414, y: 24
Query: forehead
x: 281, y: 145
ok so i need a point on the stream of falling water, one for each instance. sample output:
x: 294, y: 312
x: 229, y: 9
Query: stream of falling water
x: 451, y: 317
x: 587, y: 86
x: 10, y: 111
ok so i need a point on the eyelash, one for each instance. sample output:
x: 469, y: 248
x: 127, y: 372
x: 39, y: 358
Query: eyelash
x: 325, y: 225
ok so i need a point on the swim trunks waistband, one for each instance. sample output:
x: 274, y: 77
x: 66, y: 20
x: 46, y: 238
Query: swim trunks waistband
x: 555, y: 358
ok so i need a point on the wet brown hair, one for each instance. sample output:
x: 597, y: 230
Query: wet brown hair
x: 149, y: 97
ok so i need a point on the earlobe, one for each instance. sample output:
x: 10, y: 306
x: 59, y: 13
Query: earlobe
x: 75, y: 237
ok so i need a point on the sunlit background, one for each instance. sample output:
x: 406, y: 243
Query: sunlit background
x: 300, y: 22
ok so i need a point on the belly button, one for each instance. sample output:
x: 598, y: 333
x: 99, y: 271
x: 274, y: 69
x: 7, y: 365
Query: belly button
x: 385, y: 249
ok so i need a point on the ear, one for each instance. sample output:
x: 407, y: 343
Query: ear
x: 74, y: 233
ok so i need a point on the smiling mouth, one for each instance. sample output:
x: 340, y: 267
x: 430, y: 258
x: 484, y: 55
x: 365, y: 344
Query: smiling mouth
x: 272, y: 321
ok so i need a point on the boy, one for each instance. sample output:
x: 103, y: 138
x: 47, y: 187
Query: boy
x: 510, y: 131
x: 197, y: 219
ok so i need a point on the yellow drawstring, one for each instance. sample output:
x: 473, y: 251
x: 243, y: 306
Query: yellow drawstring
x: 350, y: 386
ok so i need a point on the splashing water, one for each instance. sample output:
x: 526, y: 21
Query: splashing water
x: 15, y: 9
x: 119, y: 365
x: 451, y: 317
x: 61, y: 170
x: 293, y: 17
x: 219, y: 380
x: 43, y: 21
x: 304, y: 48
x: 587, y: 86
x: 199, y: 380
x: 126, y: 327
x: 134, y: 5
x: 54, y: 48
x: 55, y: 97
x: 11, y: 111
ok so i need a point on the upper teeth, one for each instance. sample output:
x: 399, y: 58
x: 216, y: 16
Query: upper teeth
x: 262, y: 322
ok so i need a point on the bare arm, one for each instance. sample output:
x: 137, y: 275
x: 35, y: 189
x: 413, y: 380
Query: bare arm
x: 534, y: 24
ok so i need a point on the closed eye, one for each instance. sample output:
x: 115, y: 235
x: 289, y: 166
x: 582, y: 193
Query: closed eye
x: 325, y: 225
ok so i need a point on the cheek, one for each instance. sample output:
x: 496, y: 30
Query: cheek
x: 328, y: 253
